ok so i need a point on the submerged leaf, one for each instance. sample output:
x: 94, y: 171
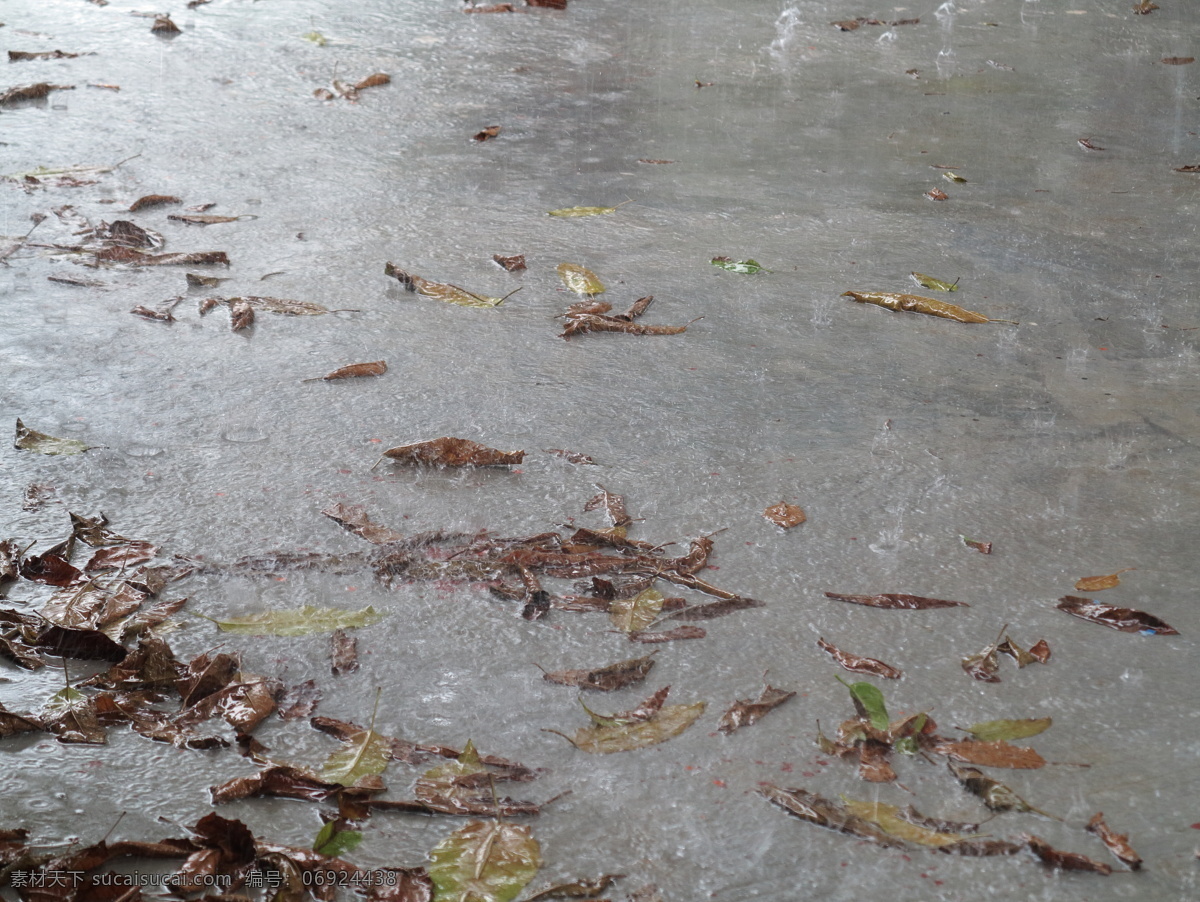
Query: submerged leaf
x: 858, y: 664
x: 745, y: 712
x: 648, y: 724
x: 31, y: 440
x: 993, y: 730
x: 453, y: 452
x: 301, y: 622
x: 442, y: 291
x: 1127, y: 620
x: 585, y: 211
x: 632, y: 615
x: 817, y: 810
x: 331, y: 840
x: 576, y: 889
x: 353, y: 371
x: 363, y: 754
x: 1065, y: 861
x: 605, y: 679
x: 515, y: 263
x: 582, y: 323
x: 1117, y: 843
x: 929, y: 281
x: 888, y: 818
x: 746, y: 267
x: 913, y: 303
x: 354, y: 518
x: 893, y: 601
x: 484, y: 862
x: 580, y: 279
x: 1098, y: 583
x: 995, y: 753
x: 995, y: 795
x: 785, y: 515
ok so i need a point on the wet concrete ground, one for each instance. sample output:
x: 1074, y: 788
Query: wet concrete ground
x: 1068, y: 441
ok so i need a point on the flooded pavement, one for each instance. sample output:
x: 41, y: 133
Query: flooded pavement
x: 1068, y: 441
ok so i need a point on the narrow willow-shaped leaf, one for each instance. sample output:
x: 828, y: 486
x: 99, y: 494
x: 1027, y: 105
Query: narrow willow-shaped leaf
x: 302, y: 622
x: 1127, y: 620
x: 580, y: 279
x: 993, y: 730
x: 31, y: 440
x: 914, y: 303
x: 634, y: 614
x: 887, y: 817
x: 934, y: 284
x: 443, y: 291
x: 586, y: 211
x: 365, y: 753
x: 485, y: 861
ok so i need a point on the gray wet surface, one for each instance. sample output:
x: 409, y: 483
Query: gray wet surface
x: 1068, y: 441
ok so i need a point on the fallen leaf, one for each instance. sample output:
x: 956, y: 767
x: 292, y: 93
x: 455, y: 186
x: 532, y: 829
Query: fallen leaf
x: 1040, y: 651
x: 939, y: 194
x: 165, y: 316
x: 284, y: 306
x: 604, y: 679
x: 121, y: 557
x: 484, y: 862
x: 282, y: 781
x: 745, y: 712
x: 363, y: 754
x: 573, y: 457
x: 301, y: 622
x: 515, y: 263
x: 580, y: 279
x: 897, y: 602
x: 34, y: 92
x: 1117, y: 843
x: 50, y: 570
x: 585, y: 211
x: 648, y: 724
x: 868, y: 702
x: 846, y: 24
x: 490, y: 8
x: 981, y: 547
x: 453, y: 452
x: 746, y: 267
x: 660, y: 162
x: 1098, y: 583
x: 1088, y: 144
x: 201, y: 218
x: 888, y: 819
x: 1127, y: 620
x: 680, y: 632
x: 995, y: 795
x: 983, y: 665
x: 343, y: 653
x: 299, y: 700
x: 547, y: 4
x: 929, y: 281
x: 1064, y: 861
x: 354, y: 518
x: 164, y: 25
x: 913, y: 303
x: 913, y: 816
x: 241, y: 314
x: 1191, y: 168
x: 978, y: 848
x: 31, y: 440
x: 484, y: 134
x: 71, y: 716
x: 16, y: 56
x: 715, y: 609
x: 331, y: 839
x: 858, y: 664
x: 196, y: 280
x: 581, y: 324
x: 995, y: 753
x: 785, y: 515
x: 993, y: 730
x: 353, y: 371
x: 576, y: 888
x: 612, y: 504
x: 823, y: 812
x: 1145, y: 7
x: 374, y: 81
x: 632, y: 615
x: 316, y: 37
x: 442, y: 291
x: 1168, y: 60
x: 138, y: 258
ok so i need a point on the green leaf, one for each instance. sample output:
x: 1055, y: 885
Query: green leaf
x: 953, y: 177
x: 887, y: 818
x: 31, y: 440
x: 747, y: 267
x: 316, y: 37
x: 302, y: 622
x: 633, y: 614
x: 616, y: 736
x: 993, y: 730
x: 334, y: 842
x: 365, y: 753
x: 63, y: 701
x: 579, y: 279
x: 870, y: 699
x: 935, y: 284
x: 484, y: 862
x: 585, y: 211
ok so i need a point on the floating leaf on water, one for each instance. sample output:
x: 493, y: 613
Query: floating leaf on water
x: 164, y: 25
x: 632, y: 615
x: 138, y: 258
x: 1088, y: 144
x: 995, y: 753
x: 443, y: 291
x: 846, y: 24
x: 914, y: 303
x: 373, y: 81
x: 241, y: 314
x: 573, y: 457
x: 302, y: 622
x: 868, y: 701
x: 648, y: 724
x: 1145, y: 7
x: 31, y: 440
x: 913, y: 816
x: 453, y: 452
x: 580, y: 324
x: 343, y: 653
x: 202, y: 218
x: 299, y: 701
x: 586, y: 211
x: 1167, y: 60
x: 612, y: 504
x: 858, y: 664
x: 950, y: 177
x: 485, y: 861
x: 817, y: 810
x: 363, y: 754
x: 353, y: 371
x: 490, y: 8
x: 1099, y: 583
x: 993, y: 730
x: 486, y: 133
x: 715, y: 609
x: 320, y: 40
x: 983, y: 665
x: 332, y: 840
x: 898, y: 602
x: 746, y: 267
x: 745, y: 712
x: 576, y: 889
x: 16, y: 56
x: 1117, y: 843
x: 981, y: 547
x: 515, y: 263
x: 680, y: 632
x: 938, y: 194
x: 785, y: 515
x: 36, y: 92
x: 354, y: 518
x: 72, y: 716
x: 1190, y: 168
x: 934, y: 284
x: 1127, y: 620
x: 605, y: 679
x: 580, y: 279
x: 888, y: 818
x: 1064, y: 861
x: 995, y: 795
x: 547, y: 4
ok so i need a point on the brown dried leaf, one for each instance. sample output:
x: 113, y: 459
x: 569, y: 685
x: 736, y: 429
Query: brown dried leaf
x: 121, y: 557
x: 50, y: 570
x: 813, y: 808
x: 716, y: 609
x: 990, y: 754
x: 582, y: 323
x: 1088, y: 144
x: 1117, y: 843
x: 137, y: 258
x: 453, y: 452
x: 604, y: 679
x: 515, y: 263
x: 164, y: 25
x: 898, y: 602
x: 283, y: 781
x: 613, y: 505
x: 1099, y: 583
x: 30, y: 92
x: 785, y: 515
x: 484, y: 134
x: 576, y: 889
x: 343, y: 653
x: 573, y: 457
x: 16, y: 56
x: 981, y: 547
x: 745, y: 712
x: 374, y: 81
x: 1191, y: 168
x: 77, y: 643
x: 1145, y: 7
x: 660, y: 162
x: 680, y: 632
x: 1167, y: 60
x: 1040, y: 650
x: 299, y: 700
x: 241, y: 314
x: 353, y: 371
x: 937, y: 194
x: 353, y: 517
x: 873, y: 764
x: 1127, y: 620
x: 547, y: 4
x: 164, y: 316
x: 1064, y: 861
x: 201, y: 218
x: 490, y: 8
x: 858, y: 664
x: 153, y: 200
